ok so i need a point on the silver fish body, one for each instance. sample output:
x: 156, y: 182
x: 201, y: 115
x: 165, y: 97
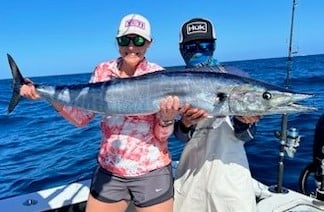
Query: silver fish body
x: 218, y: 93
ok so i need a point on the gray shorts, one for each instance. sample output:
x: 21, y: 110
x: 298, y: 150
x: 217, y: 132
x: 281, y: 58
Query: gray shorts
x: 149, y: 189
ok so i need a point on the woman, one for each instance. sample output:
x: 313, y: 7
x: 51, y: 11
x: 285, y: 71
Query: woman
x: 134, y: 162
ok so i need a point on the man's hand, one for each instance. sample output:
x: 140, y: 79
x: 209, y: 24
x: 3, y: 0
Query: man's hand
x: 192, y: 116
x: 248, y: 119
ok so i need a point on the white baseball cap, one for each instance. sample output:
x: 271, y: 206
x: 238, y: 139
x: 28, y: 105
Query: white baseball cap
x: 135, y: 24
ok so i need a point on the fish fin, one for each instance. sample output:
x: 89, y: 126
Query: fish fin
x: 236, y: 71
x: 212, y: 69
x: 221, y: 69
x: 17, y: 82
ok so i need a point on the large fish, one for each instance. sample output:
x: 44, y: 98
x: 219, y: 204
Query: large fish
x: 218, y: 93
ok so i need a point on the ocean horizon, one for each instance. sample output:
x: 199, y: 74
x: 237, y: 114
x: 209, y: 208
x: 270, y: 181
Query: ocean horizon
x: 39, y: 149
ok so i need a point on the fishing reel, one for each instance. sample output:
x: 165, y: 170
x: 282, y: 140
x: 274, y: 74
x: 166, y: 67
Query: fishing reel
x: 292, y: 141
x: 289, y: 142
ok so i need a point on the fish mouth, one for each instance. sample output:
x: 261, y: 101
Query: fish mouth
x: 291, y: 108
x: 300, y: 96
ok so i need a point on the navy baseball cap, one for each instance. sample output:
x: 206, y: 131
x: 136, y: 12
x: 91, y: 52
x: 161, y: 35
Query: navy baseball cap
x: 197, y: 29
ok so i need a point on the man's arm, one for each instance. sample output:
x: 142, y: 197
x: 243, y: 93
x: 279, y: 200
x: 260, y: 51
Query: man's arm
x: 243, y: 131
x: 182, y: 132
x: 245, y: 127
x: 184, y: 128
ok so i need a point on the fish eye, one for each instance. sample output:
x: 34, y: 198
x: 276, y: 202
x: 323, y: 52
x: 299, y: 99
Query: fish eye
x: 267, y: 95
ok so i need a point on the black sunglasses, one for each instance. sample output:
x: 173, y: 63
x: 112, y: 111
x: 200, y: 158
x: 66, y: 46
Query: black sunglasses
x: 125, y: 40
x: 204, y: 46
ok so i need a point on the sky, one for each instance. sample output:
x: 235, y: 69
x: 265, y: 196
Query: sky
x: 54, y: 37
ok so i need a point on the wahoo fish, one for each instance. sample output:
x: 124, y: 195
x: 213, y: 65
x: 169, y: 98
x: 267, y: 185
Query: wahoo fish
x: 220, y: 94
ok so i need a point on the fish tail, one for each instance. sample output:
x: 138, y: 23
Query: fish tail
x: 17, y: 82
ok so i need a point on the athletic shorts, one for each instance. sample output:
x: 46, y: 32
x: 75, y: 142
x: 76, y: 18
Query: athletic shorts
x: 146, y: 190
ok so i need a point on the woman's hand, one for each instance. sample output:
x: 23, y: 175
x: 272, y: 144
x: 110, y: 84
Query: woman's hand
x: 28, y: 90
x: 169, y: 107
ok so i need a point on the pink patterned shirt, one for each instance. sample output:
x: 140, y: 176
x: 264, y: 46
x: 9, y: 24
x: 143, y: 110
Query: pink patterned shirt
x: 130, y: 145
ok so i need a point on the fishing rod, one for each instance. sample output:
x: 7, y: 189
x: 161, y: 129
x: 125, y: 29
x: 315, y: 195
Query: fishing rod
x: 293, y: 137
x: 290, y: 139
x: 284, y: 118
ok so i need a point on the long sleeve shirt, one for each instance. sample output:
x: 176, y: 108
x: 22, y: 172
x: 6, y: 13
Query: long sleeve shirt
x: 242, y: 131
x: 130, y: 145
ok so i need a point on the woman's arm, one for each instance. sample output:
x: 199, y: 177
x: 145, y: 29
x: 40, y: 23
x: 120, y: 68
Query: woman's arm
x: 164, y: 126
x: 76, y: 116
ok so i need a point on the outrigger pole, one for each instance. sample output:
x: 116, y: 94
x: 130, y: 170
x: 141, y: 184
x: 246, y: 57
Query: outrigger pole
x: 289, y: 62
x: 284, y: 119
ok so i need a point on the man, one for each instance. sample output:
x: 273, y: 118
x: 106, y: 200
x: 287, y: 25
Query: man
x: 213, y: 172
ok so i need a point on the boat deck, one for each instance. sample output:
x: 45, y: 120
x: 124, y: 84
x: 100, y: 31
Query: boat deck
x: 72, y: 197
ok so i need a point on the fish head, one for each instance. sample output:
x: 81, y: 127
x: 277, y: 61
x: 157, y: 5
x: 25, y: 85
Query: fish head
x: 265, y: 100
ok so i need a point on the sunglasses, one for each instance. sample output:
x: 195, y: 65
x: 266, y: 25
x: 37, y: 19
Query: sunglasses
x: 204, y: 46
x: 125, y: 40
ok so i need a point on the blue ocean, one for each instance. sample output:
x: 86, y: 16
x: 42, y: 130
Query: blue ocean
x: 39, y: 149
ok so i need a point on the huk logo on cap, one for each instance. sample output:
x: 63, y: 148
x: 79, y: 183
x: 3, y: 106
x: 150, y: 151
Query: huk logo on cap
x: 196, y: 27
